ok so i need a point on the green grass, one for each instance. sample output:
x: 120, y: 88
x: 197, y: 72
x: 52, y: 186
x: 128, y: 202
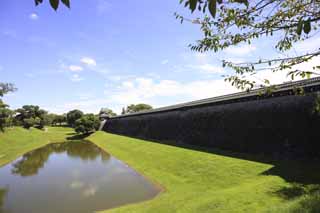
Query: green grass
x: 197, y: 181
x: 17, y: 141
x: 193, y: 181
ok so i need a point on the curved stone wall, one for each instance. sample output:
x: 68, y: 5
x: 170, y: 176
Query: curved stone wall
x: 279, y: 125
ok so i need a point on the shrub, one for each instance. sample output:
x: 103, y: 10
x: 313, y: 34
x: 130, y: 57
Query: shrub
x: 87, y: 124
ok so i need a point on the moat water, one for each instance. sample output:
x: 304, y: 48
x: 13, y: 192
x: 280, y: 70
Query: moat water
x: 70, y: 177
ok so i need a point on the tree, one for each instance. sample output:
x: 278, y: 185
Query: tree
x: 137, y: 108
x: 229, y: 23
x: 28, y: 122
x: 31, y: 116
x: 49, y: 118
x: 87, y: 124
x: 6, y: 88
x: 72, y: 116
x: 5, y: 112
x: 123, y: 111
x: 54, y: 3
x: 59, y: 119
x: 4, y: 115
x: 107, y: 111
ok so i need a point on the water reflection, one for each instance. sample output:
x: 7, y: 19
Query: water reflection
x: 31, y: 162
x: 70, y: 177
x: 2, y: 196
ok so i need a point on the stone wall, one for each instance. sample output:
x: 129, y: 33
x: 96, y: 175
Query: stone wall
x: 279, y: 125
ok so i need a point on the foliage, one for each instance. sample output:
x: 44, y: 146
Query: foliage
x: 107, y: 111
x: 28, y: 122
x: 3, y: 193
x: 6, y: 88
x: 229, y: 23
x: 5, y: 112
x: 72, y: 116
x: 54, y: 3
x: 31, y: 116
x: 87, y: 123
x: 33, y: 161
x: 123, y: 111
x: 59, y: 119
x: 136, y: 108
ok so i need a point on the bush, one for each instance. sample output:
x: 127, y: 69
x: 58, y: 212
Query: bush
x: 73, y: 116
x: 87, y: 124
x: 28, y: 122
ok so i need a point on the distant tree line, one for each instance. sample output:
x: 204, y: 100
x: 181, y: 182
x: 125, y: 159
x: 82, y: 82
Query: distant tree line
x: 132, y: 108
x: 29, y: 116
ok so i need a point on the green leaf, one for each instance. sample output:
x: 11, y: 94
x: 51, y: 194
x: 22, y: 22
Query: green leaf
x: 54, y: 4
x: 242, y: 2
x: 213, y: 7
x: 193, y: 4
x: 66, y: 2
x: 308, y: 74
x: 299, y: 28
x: 307, y: 27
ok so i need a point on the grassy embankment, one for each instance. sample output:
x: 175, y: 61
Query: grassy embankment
x: 197, y: 181
x: 194, y: 181
x: 17, y: 141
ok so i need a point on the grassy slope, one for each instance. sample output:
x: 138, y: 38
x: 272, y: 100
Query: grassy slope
x: 194, y: 181
x: 201, y: 182
x: 17, y: 141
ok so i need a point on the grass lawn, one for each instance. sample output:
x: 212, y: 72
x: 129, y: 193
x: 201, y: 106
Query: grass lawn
x: 17, y: 141
x: 194, y: 181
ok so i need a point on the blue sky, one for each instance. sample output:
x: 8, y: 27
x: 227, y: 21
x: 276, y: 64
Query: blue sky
x: 109, y: 53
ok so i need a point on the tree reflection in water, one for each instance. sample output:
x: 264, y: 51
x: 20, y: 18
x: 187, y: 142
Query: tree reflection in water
x: 33, y: 161
x: 3, y: 193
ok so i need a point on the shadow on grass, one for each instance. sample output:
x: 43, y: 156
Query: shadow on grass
x: 75, y: 136
x: 309, y: 204
x: 300, y: 171
x: 303, y: 174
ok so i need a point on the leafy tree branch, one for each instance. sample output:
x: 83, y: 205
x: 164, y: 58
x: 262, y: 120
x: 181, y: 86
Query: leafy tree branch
x: 230, y: 23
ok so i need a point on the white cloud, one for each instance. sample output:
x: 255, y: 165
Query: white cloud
x: 124, y: 90
x: 308, y: 66
x: 307, y: 45
x: 33, y: 16
x: 88, y: 61
x: 282, y: 76
x: 75, y: 68
x: 166, y: 61
x: 207, y: 68
x: 76, y: 78
x: 148, y: 91
x: 240, y: 50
